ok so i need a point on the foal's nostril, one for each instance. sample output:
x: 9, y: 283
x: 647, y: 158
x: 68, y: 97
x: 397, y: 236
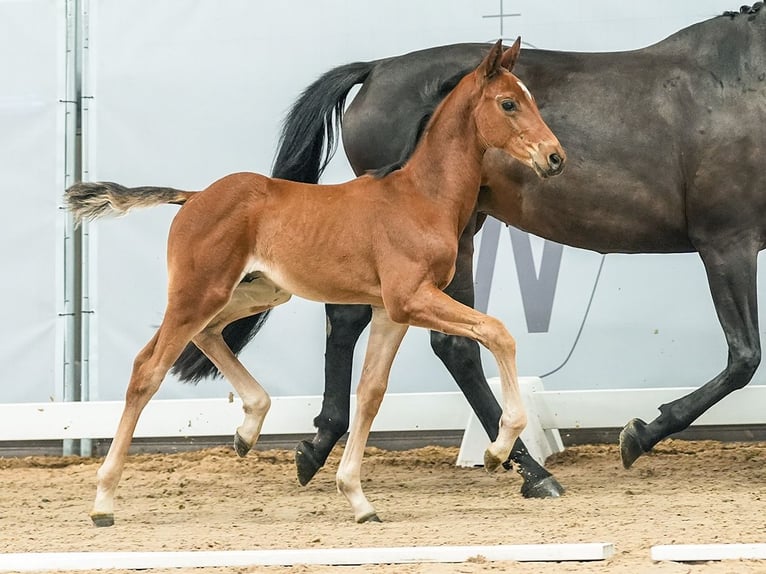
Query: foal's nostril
x: 555, y: 161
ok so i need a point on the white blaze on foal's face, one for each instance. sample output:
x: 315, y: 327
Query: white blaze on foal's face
x: 525, y: 90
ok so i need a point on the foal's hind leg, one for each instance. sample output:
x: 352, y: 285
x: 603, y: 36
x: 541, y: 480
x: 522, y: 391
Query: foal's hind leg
x: 385, y: 338
x: 181, y: 322
x: 249, y: 297
x: 255, y: 400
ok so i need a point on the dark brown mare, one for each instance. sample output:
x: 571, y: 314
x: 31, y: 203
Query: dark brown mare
x: 665, y: 148
x: 248, y: 242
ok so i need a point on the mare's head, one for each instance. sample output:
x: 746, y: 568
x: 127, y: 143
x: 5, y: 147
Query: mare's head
x: 507, y: 116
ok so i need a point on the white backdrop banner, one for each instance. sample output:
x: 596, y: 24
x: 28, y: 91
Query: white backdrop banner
x: 32, y: 55
x: 184, y: 92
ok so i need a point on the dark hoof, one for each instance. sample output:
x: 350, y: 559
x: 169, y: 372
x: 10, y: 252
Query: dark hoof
x: 241, y: 446
x: 548, y: 487
x: 369, y: 518
x: 630, y: 442
x: 306, y: 462
x: 102, y: 520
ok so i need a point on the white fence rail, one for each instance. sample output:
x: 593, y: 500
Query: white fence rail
x: 548, y: 411
x: 215, y: 417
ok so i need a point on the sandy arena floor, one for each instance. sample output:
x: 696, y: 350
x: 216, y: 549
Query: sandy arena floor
x: 686, y: 492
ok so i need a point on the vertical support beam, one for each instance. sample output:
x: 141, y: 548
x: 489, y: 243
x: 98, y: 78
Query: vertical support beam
x: 84, y: 311
x: 77, y: 308
x: 71, y: 264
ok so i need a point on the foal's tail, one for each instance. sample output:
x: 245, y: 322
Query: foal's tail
x: 307, y: 143
x: 310, y: 129
x: 91, y: 200
x: 99, y: 199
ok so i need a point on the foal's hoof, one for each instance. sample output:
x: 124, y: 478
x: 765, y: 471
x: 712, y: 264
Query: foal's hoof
x: 630, y: 442
x: 372, y: 517
x: 547, y: 487
x: 101, y: 519
x: 306, y: 462
x: 491, y: 462
x: 241, y: 445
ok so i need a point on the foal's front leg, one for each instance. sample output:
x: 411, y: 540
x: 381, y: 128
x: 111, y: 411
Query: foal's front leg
x: 385, y: 338
x: 433, y: 309
x: 462, y: 358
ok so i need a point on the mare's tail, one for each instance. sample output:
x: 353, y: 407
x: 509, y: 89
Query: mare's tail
x: 310, y: 130
x: 308, y: 141
x: 90, y: 200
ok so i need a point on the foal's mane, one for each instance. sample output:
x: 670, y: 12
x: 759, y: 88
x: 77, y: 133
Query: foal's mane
x: 431, y: 95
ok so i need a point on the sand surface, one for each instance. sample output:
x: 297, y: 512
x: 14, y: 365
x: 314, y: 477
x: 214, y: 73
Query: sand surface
x: 685, y: 493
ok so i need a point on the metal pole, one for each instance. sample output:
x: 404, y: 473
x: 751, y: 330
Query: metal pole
x: 85, y: 311
x: 77, y: 307
x: 71, y: 336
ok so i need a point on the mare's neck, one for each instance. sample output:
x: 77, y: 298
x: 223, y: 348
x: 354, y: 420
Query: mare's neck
x: 446, y: 164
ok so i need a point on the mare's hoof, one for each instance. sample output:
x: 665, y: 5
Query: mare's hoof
x: 630, y: 442
x: 306, y: 462
x: 491, y: 462
x: 372, y: 517
x: 101, y: 519
x: 241, y: 445
x: 548, y: 487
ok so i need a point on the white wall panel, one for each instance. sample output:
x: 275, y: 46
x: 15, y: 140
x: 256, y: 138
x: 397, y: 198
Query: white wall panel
x: 32, y: 44
x: 187, y: 91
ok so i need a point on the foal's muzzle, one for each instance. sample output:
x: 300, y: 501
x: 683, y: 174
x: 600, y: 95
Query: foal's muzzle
x: 549, y: 163
x: 555, y: 164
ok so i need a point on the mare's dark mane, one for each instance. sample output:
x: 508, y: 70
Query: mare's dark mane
x: 431, y: 96
x: 749, y: 10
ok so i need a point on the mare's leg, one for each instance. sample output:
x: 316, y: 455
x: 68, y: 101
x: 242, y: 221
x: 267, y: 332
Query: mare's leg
x: 345, y: 324
x: 731, y: 271
x: 462, y: 358
x: 385, y: 338
x: 184, y: 318
x: 431, y: 308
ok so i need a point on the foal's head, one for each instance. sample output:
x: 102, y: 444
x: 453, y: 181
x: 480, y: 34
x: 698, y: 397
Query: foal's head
x: 507, y: 116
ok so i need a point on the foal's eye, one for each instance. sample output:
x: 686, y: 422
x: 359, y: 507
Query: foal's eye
x: 509, y: 105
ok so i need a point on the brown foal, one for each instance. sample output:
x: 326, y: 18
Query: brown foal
x: 248, y: 242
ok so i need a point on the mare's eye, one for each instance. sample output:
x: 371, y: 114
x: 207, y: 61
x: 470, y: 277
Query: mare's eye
x: 509, y: 105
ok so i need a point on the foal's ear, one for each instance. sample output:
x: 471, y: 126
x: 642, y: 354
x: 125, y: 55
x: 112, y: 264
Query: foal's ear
x: 492, y: 62
x: 508, y: 61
